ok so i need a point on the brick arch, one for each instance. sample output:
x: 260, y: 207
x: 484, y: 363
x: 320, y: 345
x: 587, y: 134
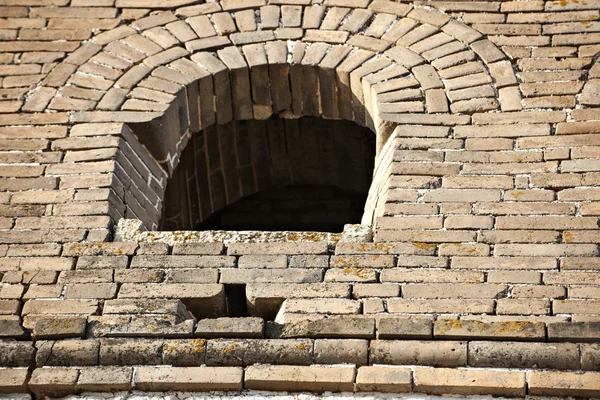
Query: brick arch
x: 377, y: 43
x: 390, y: 64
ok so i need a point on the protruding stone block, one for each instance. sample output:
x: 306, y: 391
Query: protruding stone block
x: 551, y: 383
x: 469, y: 381
x: 188, y: 378
x: 384, y: 379
x: 490, y: 330
x: 341, y: 351
x: 249, y: 327
x: 53, y: 382
x: 294, y: 379
x: 412, y: 352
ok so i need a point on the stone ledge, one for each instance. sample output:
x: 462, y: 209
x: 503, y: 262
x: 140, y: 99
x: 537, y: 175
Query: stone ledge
x: 56, y: 382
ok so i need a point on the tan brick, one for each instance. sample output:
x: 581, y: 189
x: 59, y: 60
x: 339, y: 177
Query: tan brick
x: 104, y: 379
x: 405, y: 327
x: 573, y: 331
x: 523, y: 355
x: 235, y: 352
x: 514, y: 277
x: 524, y: 208
x: 547, y: 250
x: 69, y: 352
x: 468, y: 222
x: 91, y: 291
x: 297, y: 378
x: 541, y: 291
x: 546, y: 222
x: 384, y: 379
x: 437, y: 276
x: 350, y: 274
x: 405, y: 352
x: 369, y: 261
x: 314, y: 306
x: 477, y: 182
x: 576, y: 307
x: 341, y: 351
x: 550, y: 383
x: 277, y: 248
x: 469, y: 381
x: 292, y: 275
x: 88, y: 307
x: 503, y: 263
x: 266, y: 299
x: 130, y: 352
x: 14, y: 380
x: 590, y: 356
x: 419, y: 306
x: 188, y: 378
x: 53, y: 381
x: 572, y: 277
x: 522, y: 307
x: 579, y: 263
x: 584, y: 292
x: 424, y: 236
x: 450, y: 291
x: 366, y: 290
x: 467, y: 195
x: 449, y: 328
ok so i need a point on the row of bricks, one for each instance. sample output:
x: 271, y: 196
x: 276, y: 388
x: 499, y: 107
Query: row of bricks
x: 515, y: 12
x: 18, y: 269
x: 531, y: 128
x: 17, y: 281
x: 87, y: 162
x: 521, y: 253
x: 363, y: 284
x: 427, y: 299
x: 505, y: 216
x: 274, y: 268
x: 517, y: 24
x: 57, y: 382
x: 355, y: 272
x: 456, y: 190
x: 310, y: 253
x: 290, y: 325
x: 260, y: 255
x: 243, y: 352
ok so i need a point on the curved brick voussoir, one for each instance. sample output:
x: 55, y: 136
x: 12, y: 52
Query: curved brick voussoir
x: 430, y: 61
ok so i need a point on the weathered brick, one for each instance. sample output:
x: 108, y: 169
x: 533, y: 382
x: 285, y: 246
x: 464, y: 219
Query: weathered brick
x: 547, y: 383
x: 188, y: 378
x: 462, y: 329
x: 384, y: 379
x: 291, y: 378
x: 469, y: 381
x: 400, y: 352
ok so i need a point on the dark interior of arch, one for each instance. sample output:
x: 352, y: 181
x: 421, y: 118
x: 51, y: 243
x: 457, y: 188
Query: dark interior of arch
x: 307, y: 174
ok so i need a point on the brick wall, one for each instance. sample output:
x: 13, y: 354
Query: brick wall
x: 484, y: 201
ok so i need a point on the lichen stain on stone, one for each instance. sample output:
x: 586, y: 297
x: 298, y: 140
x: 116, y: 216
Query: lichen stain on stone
x: 424, y: 246
x: 363, y: 273
x: 568, y: 237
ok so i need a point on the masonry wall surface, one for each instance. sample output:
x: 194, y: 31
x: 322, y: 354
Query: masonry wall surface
x: 475, y: 269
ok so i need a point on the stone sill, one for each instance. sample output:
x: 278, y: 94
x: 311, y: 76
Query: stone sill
x: 130, y: 230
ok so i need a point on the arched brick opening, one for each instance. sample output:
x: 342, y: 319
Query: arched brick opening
x: 387, y: 65
x: 306, y: 174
